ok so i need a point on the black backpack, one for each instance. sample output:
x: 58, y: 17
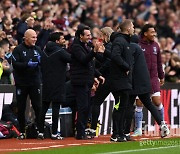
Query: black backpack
x: 32, y: 130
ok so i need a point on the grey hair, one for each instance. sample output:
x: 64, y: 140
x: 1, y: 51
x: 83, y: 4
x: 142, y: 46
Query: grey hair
x: 107, y: 31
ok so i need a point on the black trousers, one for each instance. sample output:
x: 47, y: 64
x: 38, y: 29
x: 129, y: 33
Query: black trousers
x: 55, y: 116
x: 100, y: 95
x: 82, y: 94
x: 22, y: 93
x: 119, y: 114
x: 145, y: 99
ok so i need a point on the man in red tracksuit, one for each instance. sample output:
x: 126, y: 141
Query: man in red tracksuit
x: 153, y: 59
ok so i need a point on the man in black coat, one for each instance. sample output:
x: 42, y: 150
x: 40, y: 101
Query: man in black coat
x: 26, y: 60
x: 82, y: 76
x: 121, y: 76
x: 142, y: 89
x: 53, y: 66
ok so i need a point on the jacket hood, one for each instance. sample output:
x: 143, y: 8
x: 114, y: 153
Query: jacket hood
x: 135, y: 39
x: 51, y: 47
x: 114, y: 35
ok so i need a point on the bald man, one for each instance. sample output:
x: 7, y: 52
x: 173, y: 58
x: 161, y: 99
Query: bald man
x: 26, y: 60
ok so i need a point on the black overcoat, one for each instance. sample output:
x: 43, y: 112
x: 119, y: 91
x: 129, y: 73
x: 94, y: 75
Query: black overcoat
x: 140, y: 74
x: 82, y: 69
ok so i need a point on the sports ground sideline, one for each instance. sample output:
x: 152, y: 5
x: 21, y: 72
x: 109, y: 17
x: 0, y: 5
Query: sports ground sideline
x: 100, y: 145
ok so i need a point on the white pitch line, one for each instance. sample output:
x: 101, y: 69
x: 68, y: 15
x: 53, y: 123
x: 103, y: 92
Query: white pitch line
x: 137, y: 150
x: 36, y: 148
x: 73, y: 144
x: 101, y: 142
x: 143, y: 138
x: 39, y: 143
x: 88, y: 143
x: 56, y: 146
x: 9, y: 149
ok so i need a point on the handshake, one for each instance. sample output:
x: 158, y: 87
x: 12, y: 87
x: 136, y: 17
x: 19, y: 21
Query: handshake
x: 32, y: 64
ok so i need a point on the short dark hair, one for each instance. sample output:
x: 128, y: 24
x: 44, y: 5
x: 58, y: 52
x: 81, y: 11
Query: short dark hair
x: 4, y: 42
x: 145, y: 28
x: 55, y: 36
x: 80, y: 30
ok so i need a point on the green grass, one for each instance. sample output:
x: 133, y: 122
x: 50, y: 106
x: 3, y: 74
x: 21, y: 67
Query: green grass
x: 162, y: 146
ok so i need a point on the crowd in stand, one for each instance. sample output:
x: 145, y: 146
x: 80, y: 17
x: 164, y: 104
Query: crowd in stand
x: 45, y: 16
x: 26, y: 23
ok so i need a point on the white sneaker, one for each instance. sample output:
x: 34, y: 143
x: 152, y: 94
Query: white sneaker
x: 90, y: 132
x: 164, y: 130
x: 56, y: 137
x: 137, y: 132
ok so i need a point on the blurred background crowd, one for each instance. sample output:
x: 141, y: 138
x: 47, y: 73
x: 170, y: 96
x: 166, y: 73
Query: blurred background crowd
x: 46, y: 16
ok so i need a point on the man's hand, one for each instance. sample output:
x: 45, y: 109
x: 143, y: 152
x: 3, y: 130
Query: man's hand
x: 101, y: 49
x: 102, y: 79
x: 96, y: 82
x: 5, y: 64
x: 161, y: 82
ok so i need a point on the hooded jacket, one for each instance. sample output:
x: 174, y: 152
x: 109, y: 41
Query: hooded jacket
x: 121, y: 62
x: 53, y: 67
x: 140, y: 75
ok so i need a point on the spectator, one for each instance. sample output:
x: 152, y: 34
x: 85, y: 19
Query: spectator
x: 26, y: 23
x: 7, y: 69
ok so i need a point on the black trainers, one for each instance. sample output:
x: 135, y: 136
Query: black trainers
x: 121, y: 139
x: 83, y: 137
x: 40, y: 136
x: 22, y: 136
x: 114, y: 138
x: 56, y: 137
x: 128, y: 137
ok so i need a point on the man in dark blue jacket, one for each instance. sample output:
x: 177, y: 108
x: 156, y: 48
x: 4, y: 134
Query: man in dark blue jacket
x: 26, y: 59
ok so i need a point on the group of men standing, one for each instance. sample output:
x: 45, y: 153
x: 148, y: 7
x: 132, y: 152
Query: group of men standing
x: 126, y: 61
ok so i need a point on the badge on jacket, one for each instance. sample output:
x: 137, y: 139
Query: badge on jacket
x: 24, y: 53
x: 36, y: 54
x: 143, y: 49
x: 155, y: 50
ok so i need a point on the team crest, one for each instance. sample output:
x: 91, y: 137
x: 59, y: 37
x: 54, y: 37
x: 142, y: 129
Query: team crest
x: 36, y: 53
x: 144, y: 50
x: 24, y: 53
x: 155, y: 50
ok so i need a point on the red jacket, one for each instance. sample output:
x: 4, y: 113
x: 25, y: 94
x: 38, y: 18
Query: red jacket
x: 153, y: 59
